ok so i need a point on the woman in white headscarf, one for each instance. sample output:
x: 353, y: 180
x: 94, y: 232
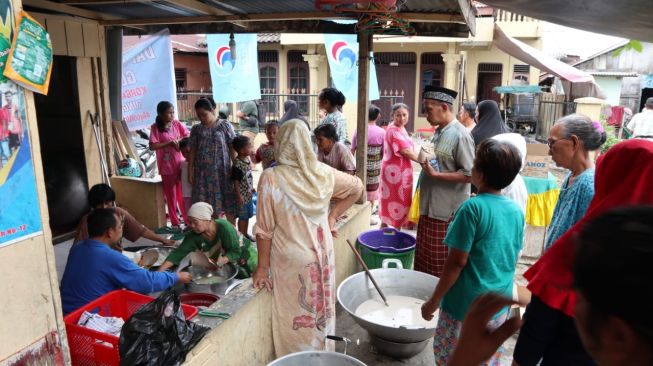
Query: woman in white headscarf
x: 215, y: 239
x: 294, y: 230
x: 516, y: 191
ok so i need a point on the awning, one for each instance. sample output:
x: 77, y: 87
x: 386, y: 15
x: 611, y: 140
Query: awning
x: 544, y: 62
x: 626, y: 18
x: 518, y: 89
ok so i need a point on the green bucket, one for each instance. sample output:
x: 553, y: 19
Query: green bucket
x: 377, y: 245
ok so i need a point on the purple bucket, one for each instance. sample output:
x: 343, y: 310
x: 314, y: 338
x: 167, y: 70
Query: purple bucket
x: 387, y: 240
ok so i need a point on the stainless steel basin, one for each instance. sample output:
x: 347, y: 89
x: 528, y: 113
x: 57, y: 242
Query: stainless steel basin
x: 316, y: 358
x: 357, y: 289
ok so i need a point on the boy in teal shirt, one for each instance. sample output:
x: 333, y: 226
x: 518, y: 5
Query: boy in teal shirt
x: 484, y: 240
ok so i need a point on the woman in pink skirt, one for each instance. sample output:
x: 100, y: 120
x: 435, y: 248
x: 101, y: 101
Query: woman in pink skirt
x: 397, y: 170
x: 165, y: 135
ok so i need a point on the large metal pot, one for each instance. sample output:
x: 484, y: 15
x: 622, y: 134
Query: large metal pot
x: 357, y: 289
x: 397, y: 349
x: 316, y: 358
x: 219, y: 281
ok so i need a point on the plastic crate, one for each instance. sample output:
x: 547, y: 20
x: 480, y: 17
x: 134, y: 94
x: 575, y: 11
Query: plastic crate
x: 89, y: 347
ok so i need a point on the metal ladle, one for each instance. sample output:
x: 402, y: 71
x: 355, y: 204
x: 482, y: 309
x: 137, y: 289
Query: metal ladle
x: 367, y: 271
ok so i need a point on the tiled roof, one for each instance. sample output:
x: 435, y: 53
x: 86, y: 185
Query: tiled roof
x: 192, y: 43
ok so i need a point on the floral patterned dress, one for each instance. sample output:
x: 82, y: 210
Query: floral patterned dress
x: 302, y: 264
x: 337, y: 119
x: 212, y: 166
x: 396, y: 178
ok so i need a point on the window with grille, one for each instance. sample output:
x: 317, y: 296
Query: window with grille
x: 180, y: 79
x: 520, y: 75
x: 398, y: 58
x: 268, y: 63
x: 490, y: 68
x: 298, y: 82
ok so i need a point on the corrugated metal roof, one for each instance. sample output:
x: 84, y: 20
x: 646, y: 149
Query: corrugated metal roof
x: 431, y: 6
x: 264, y: 6
x: 445, y: 18
x: 620, y: 74
x: 154, y: 9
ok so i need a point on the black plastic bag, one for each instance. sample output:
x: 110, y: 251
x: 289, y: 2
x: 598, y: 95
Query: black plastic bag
x: 159, y: 334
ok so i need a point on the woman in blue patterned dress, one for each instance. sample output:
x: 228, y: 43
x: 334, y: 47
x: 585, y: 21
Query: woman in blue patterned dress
x: 570, y: 141
x: 209, y: 164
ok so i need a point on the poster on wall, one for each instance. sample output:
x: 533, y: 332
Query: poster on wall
x: 234, y: 77
x: 148, y: 77
x: 30, y: 60
x: 6, y: 34
x: 342, y: 54
x: 20, y: 217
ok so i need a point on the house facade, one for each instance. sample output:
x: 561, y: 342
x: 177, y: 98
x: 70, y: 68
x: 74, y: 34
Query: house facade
x: 626, y: 77
x: 294, y: 66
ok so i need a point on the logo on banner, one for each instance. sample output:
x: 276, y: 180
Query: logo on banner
x: 344, y: 56
x: 225, y: 64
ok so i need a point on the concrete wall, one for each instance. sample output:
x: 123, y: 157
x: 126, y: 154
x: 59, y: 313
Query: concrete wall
x: 246, y: 338
x: 198, y: 76
x: 494, y: 55
x: 31, y: 324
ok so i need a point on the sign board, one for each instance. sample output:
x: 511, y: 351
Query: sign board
x: 20, y: 216
x: 29, y: 63
x: 148, y: 77
x: 537, y: 161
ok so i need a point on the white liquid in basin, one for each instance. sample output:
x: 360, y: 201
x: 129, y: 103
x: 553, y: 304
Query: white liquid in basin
x: 403, y: 311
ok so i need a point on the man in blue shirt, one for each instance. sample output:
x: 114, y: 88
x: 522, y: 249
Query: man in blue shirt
x: 94, y: 269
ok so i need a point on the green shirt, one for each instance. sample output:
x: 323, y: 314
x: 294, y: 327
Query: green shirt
x: 491, y: 229
x: 226, y: 236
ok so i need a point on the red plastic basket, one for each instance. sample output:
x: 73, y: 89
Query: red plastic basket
x: 89, y: 347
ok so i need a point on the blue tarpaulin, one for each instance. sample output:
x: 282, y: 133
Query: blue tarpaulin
x: 517, y: 89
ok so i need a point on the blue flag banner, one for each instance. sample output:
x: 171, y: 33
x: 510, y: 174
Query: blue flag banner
x: 342, y: 53
x: 148, y: 77
x: 234, y: 79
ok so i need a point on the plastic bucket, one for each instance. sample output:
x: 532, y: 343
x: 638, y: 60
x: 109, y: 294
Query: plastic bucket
x: 377, y: 245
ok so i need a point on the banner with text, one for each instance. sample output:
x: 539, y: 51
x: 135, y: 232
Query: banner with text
x: 20, y: 215
x: 148, y: 77
x: 234, y: 77
x: 342, y: 53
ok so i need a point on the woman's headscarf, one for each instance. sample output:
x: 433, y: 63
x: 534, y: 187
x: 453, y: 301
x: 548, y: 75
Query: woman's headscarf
x: 623, y: 178
x: 489, y: 122
x: 307, y: 182
x: 249, y: 109
x: 517, y: 141
x: 201, y: 211
x: 291, y: 112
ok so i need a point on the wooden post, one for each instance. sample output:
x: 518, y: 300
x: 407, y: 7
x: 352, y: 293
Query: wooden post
x: 365, y: 47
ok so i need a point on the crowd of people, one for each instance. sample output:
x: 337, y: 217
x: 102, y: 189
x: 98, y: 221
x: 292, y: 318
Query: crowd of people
x: 471, y: 201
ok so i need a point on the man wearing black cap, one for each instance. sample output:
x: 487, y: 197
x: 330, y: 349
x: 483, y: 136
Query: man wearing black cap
x: 445, y: 182
x: 641, y: 125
